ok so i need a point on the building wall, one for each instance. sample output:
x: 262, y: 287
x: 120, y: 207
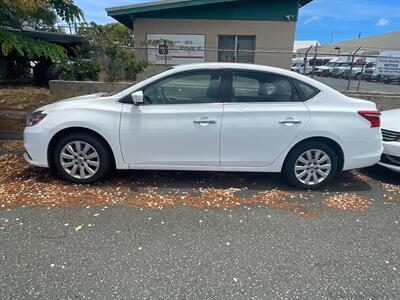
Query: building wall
x: 270, y: 35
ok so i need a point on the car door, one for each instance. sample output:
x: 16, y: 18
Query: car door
x: 178, y: 125
x: 261, y: 120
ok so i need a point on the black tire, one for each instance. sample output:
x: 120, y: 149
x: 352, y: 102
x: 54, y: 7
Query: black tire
x: 105, y: 157
x: 294, y: 154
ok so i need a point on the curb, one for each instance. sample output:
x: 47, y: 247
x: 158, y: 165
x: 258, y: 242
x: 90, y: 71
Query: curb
x: 10, y: 135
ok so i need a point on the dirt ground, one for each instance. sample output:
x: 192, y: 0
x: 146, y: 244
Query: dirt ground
x: 12, y: 123
x: 21, y: 184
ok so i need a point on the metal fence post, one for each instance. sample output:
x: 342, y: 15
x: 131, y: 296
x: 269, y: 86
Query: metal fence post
x: 305, y: 59
x: 315, y: 60
x: 351, y: 68
x: 165, y: 54
x: 362, y: 74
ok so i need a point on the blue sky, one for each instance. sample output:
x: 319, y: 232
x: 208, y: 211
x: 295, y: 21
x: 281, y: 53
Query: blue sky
x: 317, y: 20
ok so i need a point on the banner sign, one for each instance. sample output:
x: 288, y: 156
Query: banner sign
x: 388, y: 65
x: 175, y: 49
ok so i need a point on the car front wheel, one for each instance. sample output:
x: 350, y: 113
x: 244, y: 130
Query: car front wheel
x: 311, y: 166
x: 81, y: 158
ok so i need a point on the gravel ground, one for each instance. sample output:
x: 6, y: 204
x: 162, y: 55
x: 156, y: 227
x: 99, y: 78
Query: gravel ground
x: 231, y: 236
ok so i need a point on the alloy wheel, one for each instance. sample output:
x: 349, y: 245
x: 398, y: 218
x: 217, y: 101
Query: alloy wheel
x: 313, y: 167
x: 80, y: 159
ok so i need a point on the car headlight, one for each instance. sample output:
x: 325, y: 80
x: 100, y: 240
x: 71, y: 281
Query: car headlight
x: 35, y: 118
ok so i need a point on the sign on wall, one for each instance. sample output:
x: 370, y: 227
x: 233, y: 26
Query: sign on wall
x: 388, y: 63
x: 175, y: 49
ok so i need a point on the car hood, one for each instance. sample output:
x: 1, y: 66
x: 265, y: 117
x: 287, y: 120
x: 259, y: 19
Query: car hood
x: 391, y: 120
x: 79, y: 101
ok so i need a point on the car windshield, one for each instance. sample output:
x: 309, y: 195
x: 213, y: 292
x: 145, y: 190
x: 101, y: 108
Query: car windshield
x: 298, y: 64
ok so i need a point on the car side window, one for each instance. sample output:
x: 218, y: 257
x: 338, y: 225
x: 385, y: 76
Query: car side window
x: 186, y: 88
x: 307, y: 90
x: 261, y: 87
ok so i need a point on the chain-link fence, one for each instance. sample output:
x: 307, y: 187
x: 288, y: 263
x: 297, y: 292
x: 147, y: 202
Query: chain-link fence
x: 359, y: 70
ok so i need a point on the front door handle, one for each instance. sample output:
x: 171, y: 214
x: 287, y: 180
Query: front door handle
x: 290, y: 121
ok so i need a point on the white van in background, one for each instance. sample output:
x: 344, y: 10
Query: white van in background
x: 309, y: 65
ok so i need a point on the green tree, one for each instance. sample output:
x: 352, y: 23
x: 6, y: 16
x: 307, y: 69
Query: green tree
x: 15, y: 15
x: 82, y: 67
x: 112, y: 45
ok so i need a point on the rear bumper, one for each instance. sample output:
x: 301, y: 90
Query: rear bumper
x: 363, y: 154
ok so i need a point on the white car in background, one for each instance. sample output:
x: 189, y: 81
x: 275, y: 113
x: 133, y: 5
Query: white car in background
x: 391, y: 140
x: 209, y: 117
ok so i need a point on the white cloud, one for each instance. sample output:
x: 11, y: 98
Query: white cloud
x: 312, y: 19
x: 382, y: 22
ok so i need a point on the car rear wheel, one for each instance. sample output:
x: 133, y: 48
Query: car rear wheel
x: 311, y: 166
x: 81, y: 158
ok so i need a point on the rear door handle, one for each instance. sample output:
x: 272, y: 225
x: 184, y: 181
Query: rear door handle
x: 204, y: 121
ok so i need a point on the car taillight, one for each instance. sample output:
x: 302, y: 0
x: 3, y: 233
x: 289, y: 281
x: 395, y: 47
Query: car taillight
x: 373, y: 116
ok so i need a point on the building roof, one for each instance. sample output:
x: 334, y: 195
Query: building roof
x: 63, y: 39
x: 208, y: 9
x: 301, y: 44
x: 372, y: 44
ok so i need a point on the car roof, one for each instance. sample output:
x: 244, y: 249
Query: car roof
x: 232, y: 66
x: 247, y: 67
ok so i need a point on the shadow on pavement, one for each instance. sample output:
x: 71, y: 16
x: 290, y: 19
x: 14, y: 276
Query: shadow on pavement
x: 345, y: 182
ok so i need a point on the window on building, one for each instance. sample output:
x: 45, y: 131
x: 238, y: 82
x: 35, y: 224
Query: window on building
x: 236, y: 48
x: 261, y: 87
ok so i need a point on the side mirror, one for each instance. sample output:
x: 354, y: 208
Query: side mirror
x: 138, y: 98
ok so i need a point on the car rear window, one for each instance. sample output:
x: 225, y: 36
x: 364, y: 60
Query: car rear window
x: 306, y: 91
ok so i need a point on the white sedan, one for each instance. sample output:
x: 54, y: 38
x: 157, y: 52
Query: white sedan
x: 209, y: 117
x: 391, y: 140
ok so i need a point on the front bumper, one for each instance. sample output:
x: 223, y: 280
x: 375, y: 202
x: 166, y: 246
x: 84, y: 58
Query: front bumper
x: 391, y: 78
x: 391, y: 156
x: 390, y: 167
x: 35, y: 144
x: 371, y: 76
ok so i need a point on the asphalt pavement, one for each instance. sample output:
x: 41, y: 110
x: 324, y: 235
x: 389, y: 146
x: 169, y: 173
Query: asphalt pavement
x: 179, y: 252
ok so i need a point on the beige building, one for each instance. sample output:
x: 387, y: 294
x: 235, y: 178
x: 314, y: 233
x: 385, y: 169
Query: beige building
x: 175, y: 32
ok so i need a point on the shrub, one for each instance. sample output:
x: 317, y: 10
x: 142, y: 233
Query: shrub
x: 80, y: 68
